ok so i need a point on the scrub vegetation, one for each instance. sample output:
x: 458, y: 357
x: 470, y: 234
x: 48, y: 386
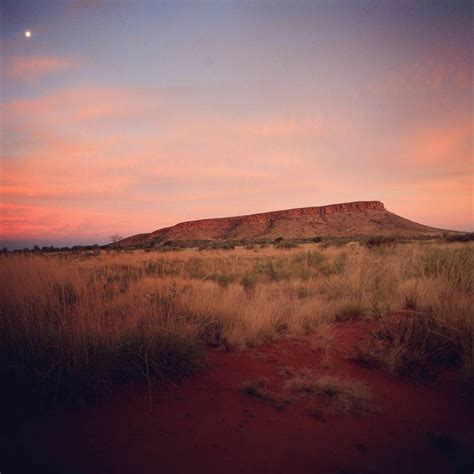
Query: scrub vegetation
x: 72, y: 325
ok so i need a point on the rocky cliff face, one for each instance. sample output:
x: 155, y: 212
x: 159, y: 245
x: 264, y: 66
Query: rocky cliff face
x: 358, y: 206
x: 360, y: 218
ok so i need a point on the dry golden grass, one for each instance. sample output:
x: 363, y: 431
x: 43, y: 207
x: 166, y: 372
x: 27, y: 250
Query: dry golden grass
x: 75, y: 323
x: 340, y: 396
x: 331, y: 394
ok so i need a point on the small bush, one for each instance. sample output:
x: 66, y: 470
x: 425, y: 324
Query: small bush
x: 226, y: 246
x: 222, y: 280
x: 249, y: 280
x: 380, y: 240
x: 272, y: 270
x: 411, y: 302
x: 466, y: 237
x: 410, y: 344
x: 210, y: 332
x: 286, y: 245
x: 217, y: 246
x: 350, y: 312
x: 170, y: 248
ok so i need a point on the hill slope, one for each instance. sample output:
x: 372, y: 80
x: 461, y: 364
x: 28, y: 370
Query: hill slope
x: 361, y: 218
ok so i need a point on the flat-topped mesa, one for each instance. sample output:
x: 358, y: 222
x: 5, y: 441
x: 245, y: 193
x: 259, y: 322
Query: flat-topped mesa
x: 351, y: 219
x: 348, y: 207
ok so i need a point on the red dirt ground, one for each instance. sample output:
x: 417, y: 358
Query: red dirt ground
x: 207, y: 424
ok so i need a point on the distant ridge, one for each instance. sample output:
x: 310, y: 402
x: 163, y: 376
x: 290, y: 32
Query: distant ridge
x: 359, y: 218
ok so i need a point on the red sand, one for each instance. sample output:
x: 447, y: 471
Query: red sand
x: 208, y: 425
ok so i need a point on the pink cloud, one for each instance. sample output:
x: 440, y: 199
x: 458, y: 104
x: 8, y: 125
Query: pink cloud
x: 433, y: 146
x: 38, y: 220
x: 286, y: 127
x: 69, y: 106
x: 90, y: 161
x: 33, y: 67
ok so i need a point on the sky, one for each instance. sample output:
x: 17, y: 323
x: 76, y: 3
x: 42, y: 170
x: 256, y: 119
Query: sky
x: 128, y: 116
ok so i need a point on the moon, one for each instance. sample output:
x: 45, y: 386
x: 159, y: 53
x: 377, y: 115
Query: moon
x: 28, y: 33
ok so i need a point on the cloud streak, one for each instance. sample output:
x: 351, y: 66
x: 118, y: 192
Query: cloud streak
x: 30, y: 68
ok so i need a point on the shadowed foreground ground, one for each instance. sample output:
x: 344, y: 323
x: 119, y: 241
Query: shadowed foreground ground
x: 208, y: 424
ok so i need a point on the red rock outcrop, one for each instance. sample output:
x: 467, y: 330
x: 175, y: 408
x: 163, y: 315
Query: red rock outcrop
x: 360, y: 218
